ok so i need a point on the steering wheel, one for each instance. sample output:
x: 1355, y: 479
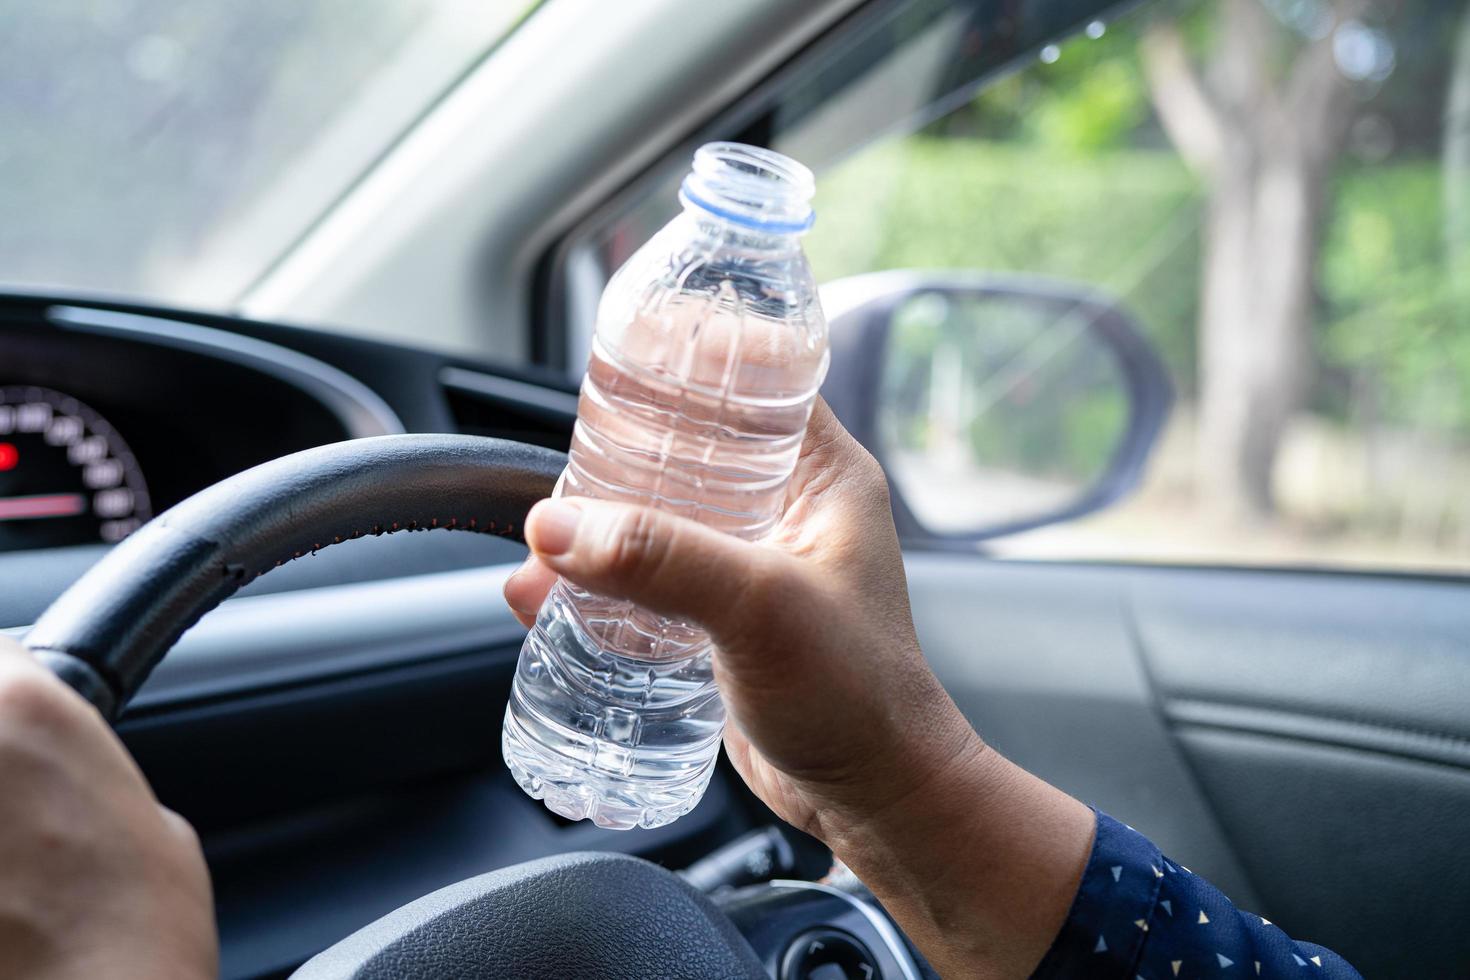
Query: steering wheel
x: 570, y: 915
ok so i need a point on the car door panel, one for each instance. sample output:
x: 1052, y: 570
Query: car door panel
x: 1358, y: 851
x: 1043, y: 662
x: 1297, y: 738
x: 1325, y: 717
x: 1383, y: 652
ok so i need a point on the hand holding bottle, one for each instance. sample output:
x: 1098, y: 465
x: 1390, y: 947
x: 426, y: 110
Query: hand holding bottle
x: 836, y: 721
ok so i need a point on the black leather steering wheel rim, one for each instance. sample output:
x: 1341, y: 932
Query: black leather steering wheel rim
x: 572, y: 915
x: 104, y: 635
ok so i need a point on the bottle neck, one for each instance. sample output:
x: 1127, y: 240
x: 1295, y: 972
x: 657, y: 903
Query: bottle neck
x: 739, y: 237
x: 756, y: 192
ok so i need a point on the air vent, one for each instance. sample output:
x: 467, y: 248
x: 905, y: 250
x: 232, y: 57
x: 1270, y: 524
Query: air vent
x: 506, y: 408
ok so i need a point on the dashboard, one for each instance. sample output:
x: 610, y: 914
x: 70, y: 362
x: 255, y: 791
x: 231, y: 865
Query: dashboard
x: 111, y: 413
x: 107, y: 418
x: 66, y: 475
x: 333, y: 730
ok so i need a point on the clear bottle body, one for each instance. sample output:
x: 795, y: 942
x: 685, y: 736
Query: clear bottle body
x: 709, y: 349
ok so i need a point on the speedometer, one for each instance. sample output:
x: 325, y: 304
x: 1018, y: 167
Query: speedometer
x: 66, y: 476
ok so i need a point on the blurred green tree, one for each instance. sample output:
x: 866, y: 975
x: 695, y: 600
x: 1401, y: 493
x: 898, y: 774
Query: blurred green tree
x: 1261, y: 118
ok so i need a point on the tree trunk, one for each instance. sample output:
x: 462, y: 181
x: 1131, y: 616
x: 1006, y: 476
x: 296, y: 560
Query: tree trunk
x: 1264, y: 148
x: 1456, y: 162
x: 1254, y: 357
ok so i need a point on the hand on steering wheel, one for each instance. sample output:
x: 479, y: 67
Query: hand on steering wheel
x: 96, y: 878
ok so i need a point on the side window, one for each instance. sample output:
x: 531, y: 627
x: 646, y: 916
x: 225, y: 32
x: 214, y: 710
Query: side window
x: 1282, y: 199
x: 1278, y: 193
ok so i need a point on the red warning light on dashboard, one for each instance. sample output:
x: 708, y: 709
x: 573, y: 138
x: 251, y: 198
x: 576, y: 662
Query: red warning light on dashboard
x: 8, y: 456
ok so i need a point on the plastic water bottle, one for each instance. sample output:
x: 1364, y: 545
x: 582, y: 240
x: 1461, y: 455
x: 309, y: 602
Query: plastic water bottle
x: 709, y: 349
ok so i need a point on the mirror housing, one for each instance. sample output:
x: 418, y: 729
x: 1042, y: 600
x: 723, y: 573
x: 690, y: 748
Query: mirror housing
x: 897, y: 336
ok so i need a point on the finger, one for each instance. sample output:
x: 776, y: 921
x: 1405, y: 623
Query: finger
x: 18, y: 665
x: 31, y: 706
x: 737, y: 747
x: 668, y: 564
x: 825, y: 440
x: 526, y: 589
x: 14, y: 655
x: 180, y: 828
x: 831, y: 459
x: 20, y: 670
x: 35, y: 703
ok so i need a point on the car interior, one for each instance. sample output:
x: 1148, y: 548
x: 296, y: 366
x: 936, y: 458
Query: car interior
x: 1297, y: 734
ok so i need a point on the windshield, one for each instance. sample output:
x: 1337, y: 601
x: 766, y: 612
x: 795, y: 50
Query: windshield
x: 173, y: 150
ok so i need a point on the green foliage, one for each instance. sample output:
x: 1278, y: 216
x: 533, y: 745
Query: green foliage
x: 1074, y: 444
x: 1098, y: 113
x: 1125, y: 221
x: 1394, y: 316
x: 1129, y: 222
x: 1092, y: 98
x: 1062, y: 170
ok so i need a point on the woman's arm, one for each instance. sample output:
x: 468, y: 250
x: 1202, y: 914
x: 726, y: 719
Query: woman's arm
x: 836, y: 720
x: 1138, y: 914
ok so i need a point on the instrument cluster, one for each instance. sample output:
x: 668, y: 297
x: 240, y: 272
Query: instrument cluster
x: 109, y: 418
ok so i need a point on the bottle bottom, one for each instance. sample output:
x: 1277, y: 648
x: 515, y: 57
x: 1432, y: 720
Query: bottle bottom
x: 597, y: 734
x: 570, y: 789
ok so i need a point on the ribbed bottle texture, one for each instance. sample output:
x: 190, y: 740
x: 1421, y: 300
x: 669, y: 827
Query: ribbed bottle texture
x: 709, y: 349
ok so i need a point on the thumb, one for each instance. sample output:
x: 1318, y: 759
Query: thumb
x: 668, y: 564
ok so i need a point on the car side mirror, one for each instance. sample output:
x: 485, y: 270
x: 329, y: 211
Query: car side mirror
x: 995, y: 404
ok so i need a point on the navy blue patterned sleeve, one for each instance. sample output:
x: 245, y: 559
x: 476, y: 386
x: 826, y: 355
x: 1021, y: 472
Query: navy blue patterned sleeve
x: 1139, y: 915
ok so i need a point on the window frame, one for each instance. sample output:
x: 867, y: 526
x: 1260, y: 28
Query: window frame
x: 751, y: 118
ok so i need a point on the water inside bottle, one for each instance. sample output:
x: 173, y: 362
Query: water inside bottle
x: 612, y: 689
x: 708, y: 353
